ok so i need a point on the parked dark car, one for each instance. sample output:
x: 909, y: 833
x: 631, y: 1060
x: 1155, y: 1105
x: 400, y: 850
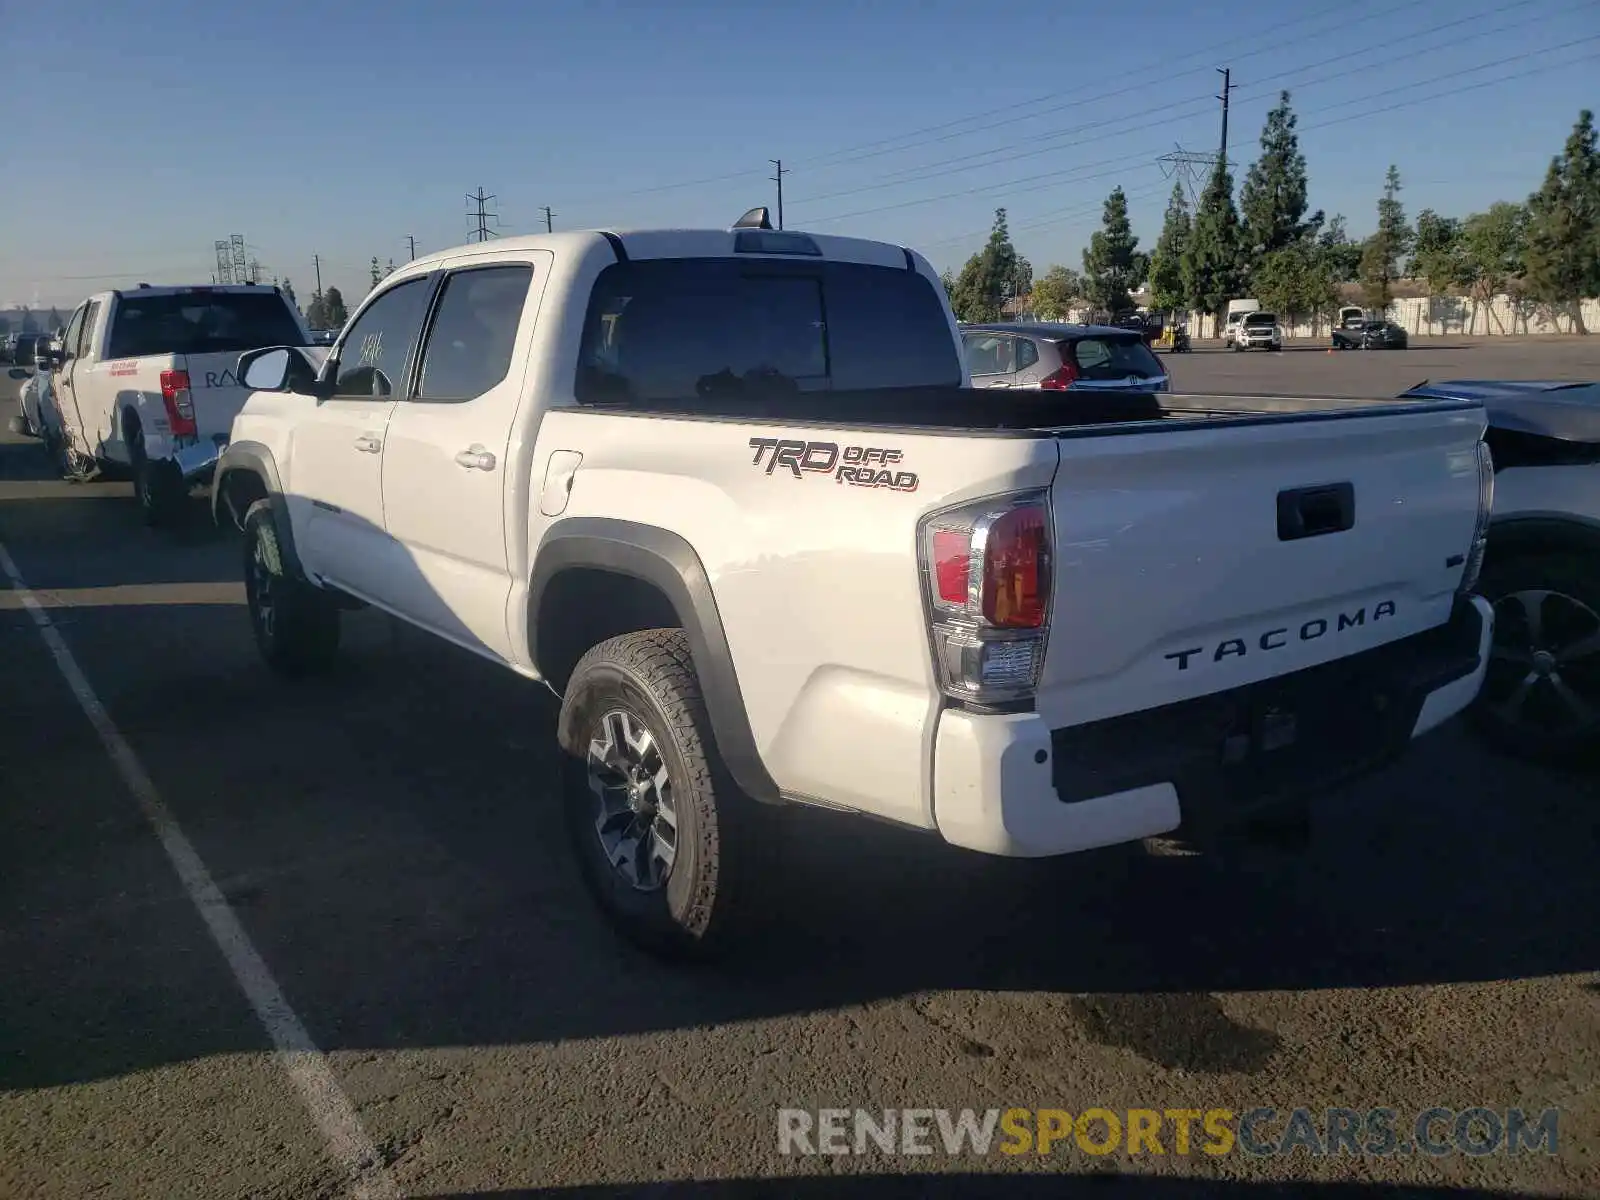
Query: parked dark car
x: 1369, y: 335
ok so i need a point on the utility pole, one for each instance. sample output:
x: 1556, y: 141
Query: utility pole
x: 316, y: 261
x: 777, y: 178
x: 412, y: 239
x: 549, y: 219
x: 482, y: 233
x: 1227, y: 90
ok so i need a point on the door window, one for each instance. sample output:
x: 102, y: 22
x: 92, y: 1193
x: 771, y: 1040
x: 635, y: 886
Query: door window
x: 85, y: 346
x: 376, y: 349
x: 474, y: 332
x: 69, y: 340
x: 1027, y: 354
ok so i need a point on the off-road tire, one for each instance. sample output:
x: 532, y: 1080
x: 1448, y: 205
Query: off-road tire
x: 705, y: 904
x: 301, y: 637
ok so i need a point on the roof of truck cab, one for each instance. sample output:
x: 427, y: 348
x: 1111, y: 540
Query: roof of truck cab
x: 647, y: 243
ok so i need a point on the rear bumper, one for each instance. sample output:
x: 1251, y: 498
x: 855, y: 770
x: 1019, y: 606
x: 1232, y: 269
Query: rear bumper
x: 196, y: 463
x: 1011, y: 785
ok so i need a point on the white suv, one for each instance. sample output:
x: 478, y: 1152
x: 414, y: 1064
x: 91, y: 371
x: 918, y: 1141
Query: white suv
x: 1258, y: 331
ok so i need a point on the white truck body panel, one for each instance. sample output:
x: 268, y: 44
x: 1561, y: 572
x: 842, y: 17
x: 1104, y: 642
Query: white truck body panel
x: 1165, y: 535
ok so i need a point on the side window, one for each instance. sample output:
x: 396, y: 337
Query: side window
x: 474, y: 332
x: 85, y: 346
x: 69, y: 340
x: 376, y: 348
x: 989, y: 354
x: 1027, y: 354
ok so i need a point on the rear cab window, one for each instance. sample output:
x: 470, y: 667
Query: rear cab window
x: 1112, y: 356
x: 200, y: 322
x: 671, y: 331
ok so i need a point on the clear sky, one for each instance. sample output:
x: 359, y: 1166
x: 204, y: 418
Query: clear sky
x: 142, y: 132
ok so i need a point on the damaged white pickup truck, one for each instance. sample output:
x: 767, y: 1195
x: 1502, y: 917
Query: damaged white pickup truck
x: 730, y: 495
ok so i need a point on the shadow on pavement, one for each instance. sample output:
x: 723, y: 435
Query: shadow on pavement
x: 390, y: 839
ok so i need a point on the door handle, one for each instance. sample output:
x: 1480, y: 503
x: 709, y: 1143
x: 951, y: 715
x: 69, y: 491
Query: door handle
x: 476, y: 459
x: 369, y: 443
x: 1001, y: 383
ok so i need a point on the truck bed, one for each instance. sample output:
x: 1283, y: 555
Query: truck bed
x: 1013, y: 412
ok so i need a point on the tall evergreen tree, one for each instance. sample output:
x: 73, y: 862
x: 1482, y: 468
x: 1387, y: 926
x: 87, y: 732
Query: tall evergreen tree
x: 1563, y: 237
x: 1112, y: 265
x: 1272, y: 202
x: 1342, y: 255
x: 1380, y: 256
x: 1167, y: 291
x: 1211, y: 266
x: 980, y: 288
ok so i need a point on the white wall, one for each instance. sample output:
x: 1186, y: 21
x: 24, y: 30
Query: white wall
x: 1447, y: 316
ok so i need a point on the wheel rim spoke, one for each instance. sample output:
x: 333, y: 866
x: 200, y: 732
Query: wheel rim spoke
x: 1583, y: 648
x: 1578, y: 709
x: 635, y: 819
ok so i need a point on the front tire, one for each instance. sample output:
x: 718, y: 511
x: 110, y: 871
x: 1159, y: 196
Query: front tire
x: 296, y: 624
x: 1541, y: 697
x: 664, y: 841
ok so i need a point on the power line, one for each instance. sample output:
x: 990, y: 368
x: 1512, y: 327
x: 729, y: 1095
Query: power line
x: 1012, y: 113
x: 1040, y: 143
x: 1364, y: 113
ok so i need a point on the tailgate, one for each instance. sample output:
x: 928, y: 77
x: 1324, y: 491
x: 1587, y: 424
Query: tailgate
x: 217, y: 393
x: 1189, y: 561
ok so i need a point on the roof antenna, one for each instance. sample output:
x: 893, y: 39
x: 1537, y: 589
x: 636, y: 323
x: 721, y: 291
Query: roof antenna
x: 756, y: 218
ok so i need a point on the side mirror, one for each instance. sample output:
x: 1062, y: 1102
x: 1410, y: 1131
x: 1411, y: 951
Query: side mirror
x: 276, y: 369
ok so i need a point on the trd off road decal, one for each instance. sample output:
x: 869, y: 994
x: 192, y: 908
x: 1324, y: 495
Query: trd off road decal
x: 864, y: 466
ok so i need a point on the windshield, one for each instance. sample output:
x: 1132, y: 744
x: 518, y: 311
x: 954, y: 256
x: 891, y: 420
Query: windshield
x: 680, y: 329
x: 1109, y: 358
x: 201, y: 323
x: 1261, y: 318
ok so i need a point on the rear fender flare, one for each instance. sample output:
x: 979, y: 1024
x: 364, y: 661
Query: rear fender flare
x: 667, y: 562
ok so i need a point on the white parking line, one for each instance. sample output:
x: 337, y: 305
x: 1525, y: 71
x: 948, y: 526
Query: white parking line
x: 348, y: 1141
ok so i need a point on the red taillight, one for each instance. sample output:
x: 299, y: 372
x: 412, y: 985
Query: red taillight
x: 1016, y: 569
x: 989, y: 639
x: 1060, y: 381
x: 952, y: 563
x: 179, y: 400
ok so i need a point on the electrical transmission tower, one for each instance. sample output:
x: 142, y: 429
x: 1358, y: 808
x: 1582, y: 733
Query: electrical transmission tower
x: 241, y: 268
x: 1189, y: 166
x: 482, y: 216
x: 224, y: 261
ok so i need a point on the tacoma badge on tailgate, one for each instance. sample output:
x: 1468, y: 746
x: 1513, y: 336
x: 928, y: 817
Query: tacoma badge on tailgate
x: 1277, y: 639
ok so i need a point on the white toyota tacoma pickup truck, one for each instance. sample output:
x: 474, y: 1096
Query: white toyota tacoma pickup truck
x: 730, y: 495
x: 143, y: 381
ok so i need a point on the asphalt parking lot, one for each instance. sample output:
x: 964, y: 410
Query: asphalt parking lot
x: 386, y: 841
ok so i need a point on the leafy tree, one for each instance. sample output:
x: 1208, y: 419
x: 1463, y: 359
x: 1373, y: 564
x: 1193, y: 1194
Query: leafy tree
x: 1022, y: 278
x: 947, y: 278
x: 980, y: 287
x: 1492, y: 245
x: 1167, y: 291
x: 1439, y: 256
x: 1112, y: 265
x: 1053, y: 295
x: 1563, y: 240
x: 28, y: 322
x: 333, y: 310
x: 1211, y: 267
x: 376, y: 271
x: 56, y: 319
x: 1272, y: 202
x: 288, y: 292
x: 1380, y: 255
x: 1342, y: 255
x: 1296, y: 279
